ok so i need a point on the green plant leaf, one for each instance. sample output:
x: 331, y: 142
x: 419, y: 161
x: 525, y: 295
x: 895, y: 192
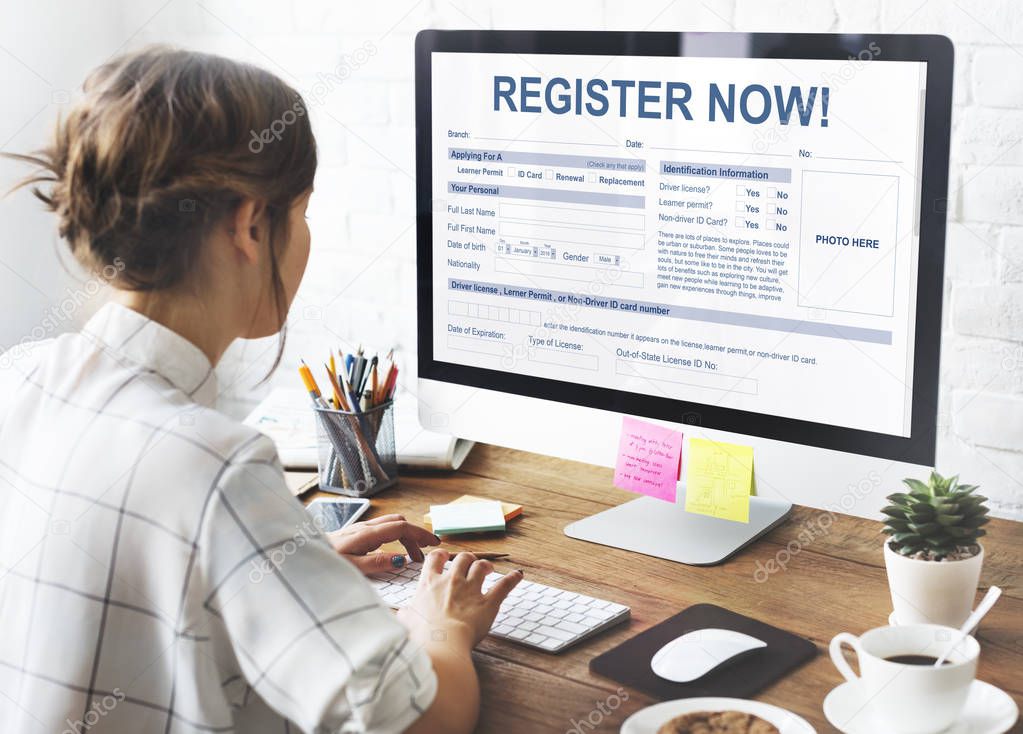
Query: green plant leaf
x: 949, y: 520
x: 909, y: 537
x: 917, y: 486
x: 894, y: 511
x: 925, y: 528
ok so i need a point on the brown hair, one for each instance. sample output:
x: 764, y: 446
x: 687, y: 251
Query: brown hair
x: 164, y: 144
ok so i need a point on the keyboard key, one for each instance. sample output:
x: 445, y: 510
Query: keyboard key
x: 551, y: 644
x: 557, y: 634
x: 571, y: 628
x: 535, y: 639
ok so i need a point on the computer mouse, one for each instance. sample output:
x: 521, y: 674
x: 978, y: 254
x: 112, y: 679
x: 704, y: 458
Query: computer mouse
x: 696, y: 653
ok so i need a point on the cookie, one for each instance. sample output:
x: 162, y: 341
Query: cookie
x: 717, y: 722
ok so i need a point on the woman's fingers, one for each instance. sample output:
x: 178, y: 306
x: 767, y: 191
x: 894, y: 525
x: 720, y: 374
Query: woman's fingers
x: 383, y: 518
x: 477, y: 572
x: 500, y: 590
x: 434, y: 563
x: 460, y: 566
x: 374, y: 563
x: 371, y: 537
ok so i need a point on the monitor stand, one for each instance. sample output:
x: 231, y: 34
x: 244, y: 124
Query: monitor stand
x: 657, y: 528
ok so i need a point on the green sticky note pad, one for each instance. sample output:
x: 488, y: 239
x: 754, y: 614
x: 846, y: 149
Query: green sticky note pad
x: 719, y: 478
x: 467, y: 517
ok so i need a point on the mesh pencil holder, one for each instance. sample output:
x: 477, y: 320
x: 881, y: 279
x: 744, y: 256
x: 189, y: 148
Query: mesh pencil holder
x: 356, y: 451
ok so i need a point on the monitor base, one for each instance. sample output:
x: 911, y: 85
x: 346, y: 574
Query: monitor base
x: 656, y: 528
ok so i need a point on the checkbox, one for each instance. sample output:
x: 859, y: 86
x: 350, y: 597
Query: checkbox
x: 770, y: 225
x: 740, y: 207
x: 772, y: 192
x: 740, y: 190
x: 772, y: 209
x: 512, y: 172
x: 591, y: 178
x: 549, y: 173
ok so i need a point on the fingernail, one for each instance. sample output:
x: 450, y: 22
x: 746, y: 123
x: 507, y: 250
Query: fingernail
x: 521, y: 572
x: 398, y: 561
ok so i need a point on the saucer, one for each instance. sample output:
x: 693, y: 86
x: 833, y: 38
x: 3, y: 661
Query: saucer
x: 650, y: 719
x: 988, y: 710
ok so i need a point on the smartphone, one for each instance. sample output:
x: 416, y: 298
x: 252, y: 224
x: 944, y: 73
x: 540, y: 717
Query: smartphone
x: 334, y: 514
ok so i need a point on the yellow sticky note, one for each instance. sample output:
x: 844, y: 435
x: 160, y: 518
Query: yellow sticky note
x: 719, y: 477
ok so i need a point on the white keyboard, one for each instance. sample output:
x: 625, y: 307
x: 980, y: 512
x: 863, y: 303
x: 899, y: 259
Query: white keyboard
x: 535, y: 615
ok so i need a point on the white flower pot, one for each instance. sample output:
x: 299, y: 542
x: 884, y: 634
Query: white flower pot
x: 932, y: 592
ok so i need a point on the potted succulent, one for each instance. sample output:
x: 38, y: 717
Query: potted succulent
x: 932, y: 555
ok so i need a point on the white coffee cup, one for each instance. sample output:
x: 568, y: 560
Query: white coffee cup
x: 903, y: 698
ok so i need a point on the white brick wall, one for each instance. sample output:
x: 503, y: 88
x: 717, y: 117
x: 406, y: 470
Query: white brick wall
x: 360, y: 285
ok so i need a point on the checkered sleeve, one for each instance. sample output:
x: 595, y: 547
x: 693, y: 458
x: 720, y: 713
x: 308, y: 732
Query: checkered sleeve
x: 309, y: 633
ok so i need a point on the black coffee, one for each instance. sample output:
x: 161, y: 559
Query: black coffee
x: 914, y: 660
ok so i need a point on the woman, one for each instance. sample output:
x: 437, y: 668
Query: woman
x: 132, y: 513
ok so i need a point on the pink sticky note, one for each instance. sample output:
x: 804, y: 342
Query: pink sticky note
x: 648, y: 459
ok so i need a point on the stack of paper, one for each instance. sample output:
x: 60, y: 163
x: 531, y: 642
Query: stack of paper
x: 510, y: 510
x: 467, y: 517
x: 286, y: 417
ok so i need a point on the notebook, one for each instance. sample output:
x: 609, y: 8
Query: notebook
x: 455, y: 518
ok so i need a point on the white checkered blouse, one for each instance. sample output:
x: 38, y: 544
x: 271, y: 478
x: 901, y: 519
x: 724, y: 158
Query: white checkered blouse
x: 155, y: 573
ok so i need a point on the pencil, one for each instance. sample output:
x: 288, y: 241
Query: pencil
x: 339, y: 399
x: 310, y: 383
x: 481, y: 556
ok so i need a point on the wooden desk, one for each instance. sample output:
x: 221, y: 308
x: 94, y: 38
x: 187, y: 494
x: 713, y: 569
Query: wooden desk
x: 833, y: 582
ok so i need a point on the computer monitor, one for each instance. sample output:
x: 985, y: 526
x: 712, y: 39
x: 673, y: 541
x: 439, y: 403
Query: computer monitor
x: 740, y: 235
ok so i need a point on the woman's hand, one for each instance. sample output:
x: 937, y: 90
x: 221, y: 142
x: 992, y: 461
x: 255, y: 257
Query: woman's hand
x: 449, y: 605
x: 359, y: 541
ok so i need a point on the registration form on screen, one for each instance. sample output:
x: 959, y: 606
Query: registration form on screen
x: 726, y: 231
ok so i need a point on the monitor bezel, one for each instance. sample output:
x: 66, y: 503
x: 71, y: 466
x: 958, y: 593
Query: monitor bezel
x: 936, y: 51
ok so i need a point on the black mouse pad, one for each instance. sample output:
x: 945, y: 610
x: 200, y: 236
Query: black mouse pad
x: 629, y: 663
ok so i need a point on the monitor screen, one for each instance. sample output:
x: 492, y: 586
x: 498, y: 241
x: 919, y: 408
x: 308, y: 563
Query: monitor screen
x: 741, y: 233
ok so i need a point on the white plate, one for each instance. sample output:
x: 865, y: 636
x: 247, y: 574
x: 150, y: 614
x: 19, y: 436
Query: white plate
x: 649, y: 720
x: 988, y: 710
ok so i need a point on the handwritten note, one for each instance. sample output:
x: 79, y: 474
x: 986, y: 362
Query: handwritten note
x: 649, y: 459
x: 719, y: 477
